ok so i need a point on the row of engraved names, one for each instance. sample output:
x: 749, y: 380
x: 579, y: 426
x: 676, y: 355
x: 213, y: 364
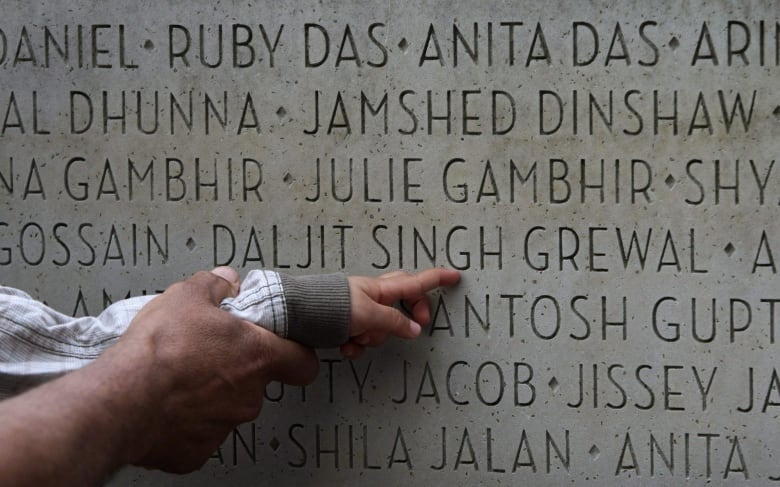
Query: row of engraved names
x: 530, y: 449
x: 509, y: 42
x: 483, y: 110
x: 496, y: 181
x: 578, y: 248
x: 528, y: 312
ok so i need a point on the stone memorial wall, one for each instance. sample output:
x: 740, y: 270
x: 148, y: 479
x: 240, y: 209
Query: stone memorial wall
x: 603, y: 174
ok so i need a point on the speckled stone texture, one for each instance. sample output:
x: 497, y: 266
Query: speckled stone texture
x: 602, y: 173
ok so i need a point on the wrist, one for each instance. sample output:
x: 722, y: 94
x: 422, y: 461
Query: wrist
x: 93, y: 413
x: 126, y: 395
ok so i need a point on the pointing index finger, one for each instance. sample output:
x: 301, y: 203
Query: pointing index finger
x: 414, y: 286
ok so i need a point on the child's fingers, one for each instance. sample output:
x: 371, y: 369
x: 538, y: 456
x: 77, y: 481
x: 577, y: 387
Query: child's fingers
x: 412, y: 287
x: 388, y: 320
x: 421, y: 310
x: 390, y: 275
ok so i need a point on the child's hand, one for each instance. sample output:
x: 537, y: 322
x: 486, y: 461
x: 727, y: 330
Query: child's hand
x: 373, y: 316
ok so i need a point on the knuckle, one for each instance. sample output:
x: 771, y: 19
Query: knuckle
x: 188, y: 289
x: 261, y: 352
x: 262, y: 349
x: 202, y: 275
x: 400, y: 322
x: 177, y: 287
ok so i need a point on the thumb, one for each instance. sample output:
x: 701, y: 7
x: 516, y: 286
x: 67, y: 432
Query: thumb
x: 217, y: 285
x: 392, y: 321
x: 230, y: 275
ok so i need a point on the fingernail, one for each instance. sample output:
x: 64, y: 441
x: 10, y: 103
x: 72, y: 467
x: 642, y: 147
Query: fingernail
x: 414, y: 328
x: 227, y: 273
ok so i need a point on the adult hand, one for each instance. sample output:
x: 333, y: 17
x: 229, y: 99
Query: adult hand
x: 373, y: 316
x: 201, y: 371
x: 165, y: 396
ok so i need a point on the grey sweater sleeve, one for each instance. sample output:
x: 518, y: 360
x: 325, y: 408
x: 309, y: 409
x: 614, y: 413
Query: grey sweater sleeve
x: 318, y: 309
x: 311, y: 310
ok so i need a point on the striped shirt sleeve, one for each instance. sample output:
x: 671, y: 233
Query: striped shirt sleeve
x: 38, y: 343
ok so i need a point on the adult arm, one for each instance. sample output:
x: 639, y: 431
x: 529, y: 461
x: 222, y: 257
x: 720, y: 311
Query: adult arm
x: 165, y: 396
x: 38, y: 344
x: 183, y: 375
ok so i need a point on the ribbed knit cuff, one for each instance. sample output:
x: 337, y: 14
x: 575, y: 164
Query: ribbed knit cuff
x: 318, y: 309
